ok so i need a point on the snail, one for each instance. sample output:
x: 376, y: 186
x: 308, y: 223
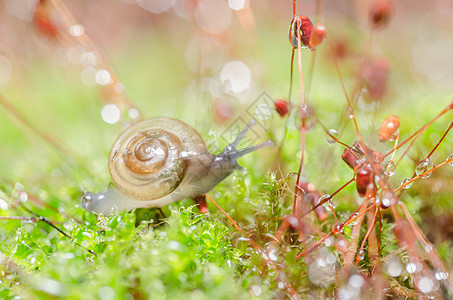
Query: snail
x: 161, y: 160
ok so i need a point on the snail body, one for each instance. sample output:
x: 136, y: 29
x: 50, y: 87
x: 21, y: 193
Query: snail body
x: 158, y: 161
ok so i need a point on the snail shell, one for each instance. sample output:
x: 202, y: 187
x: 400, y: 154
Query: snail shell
x: 158, y: 161
x: 147, y: 161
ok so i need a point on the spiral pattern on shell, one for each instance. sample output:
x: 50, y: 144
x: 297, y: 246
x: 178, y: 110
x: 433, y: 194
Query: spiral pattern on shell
x: 149, y: 159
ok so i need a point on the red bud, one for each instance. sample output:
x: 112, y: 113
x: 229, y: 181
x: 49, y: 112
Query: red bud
x: 281, y: 106
x: 381, y: 13
x: 304, y: 26
x: 317, y: 35
x: 363, y: 178
x: 388, y: 128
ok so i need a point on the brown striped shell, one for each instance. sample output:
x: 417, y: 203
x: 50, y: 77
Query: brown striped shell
x: 148, y: 159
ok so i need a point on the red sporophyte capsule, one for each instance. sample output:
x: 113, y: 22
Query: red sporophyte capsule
x: 223, y: 110
x: 375, y: 73
x: 282, y: 107
x: 388, y: 128
x: 318, y: 34
x: 320, y: 211
x: 43, y: 22
x: 311, y: 194
x: 341, y: 49
x: 351, y: 158
x: 300, y: 25
x: 381, y: 13
x: 363, y: 178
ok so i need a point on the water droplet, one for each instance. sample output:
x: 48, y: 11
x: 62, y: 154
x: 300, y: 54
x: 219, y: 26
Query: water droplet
x: 273, y: 255
x: 441, y: 275
x: 3, y: 204
x: 425, y: 285
x: 328, y: 202
x: 23, y: 197
x: 133, y: 113
x: 390, y: 168
x: 394, y: 268
x: 331, y: 205
x: 293, y: 221
x: 206, y: 20
x: 424, y: 166
x: 329, y: 134
x: 236, y: 77
x: 407, y: 186
x: 103, y: 77
x: 309, y: 115
x: 350, y: 113
x: 362, y: 254
x: 342, y: 244
x: 87, y: 234
x: 387, y: 199
x: 331, y: 258
x: 90, y: 59
x: 255, y: 290
x: 356, y: 281
x: 411, y: 268
x: 111, y: 113
x: 328, y: 242
x: 174, y: 245
x: 355, y: 219
x: 321, y: 262
x: 76, y: 30
x: 74, y: 54
x: 337, y: 229
x: 321, y: 273
x: 394, y: 135
x: 324, y: 198
x: 88, y: 76
x: 50, y: 286
x: 238, y: 4
x: 450, y: 157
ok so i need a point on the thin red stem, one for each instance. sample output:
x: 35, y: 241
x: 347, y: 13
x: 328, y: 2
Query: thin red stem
x: 424, y: 174
x: 367, y: 234
x: 423, y: 128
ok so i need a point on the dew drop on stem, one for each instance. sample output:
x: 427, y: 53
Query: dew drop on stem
x: 424, y: 166
x: 390, y: 168
x: 331, y: 135
x: 425, y: 285
x: 350, y: 113
x: 411, y: 268
x: 326, y: 199
x: 407, y: 186
x: 450, y: 158
x: 307, y: 115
